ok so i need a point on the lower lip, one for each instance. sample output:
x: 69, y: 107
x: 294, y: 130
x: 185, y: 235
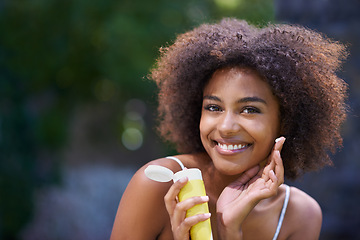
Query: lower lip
x: 230, y: 152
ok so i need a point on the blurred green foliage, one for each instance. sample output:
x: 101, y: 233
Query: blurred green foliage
x: 55, y: 54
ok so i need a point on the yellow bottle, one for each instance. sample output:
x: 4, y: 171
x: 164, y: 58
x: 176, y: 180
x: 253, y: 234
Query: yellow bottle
x: 195, y: 187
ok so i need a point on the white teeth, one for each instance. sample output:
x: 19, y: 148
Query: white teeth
x: 231, y: 147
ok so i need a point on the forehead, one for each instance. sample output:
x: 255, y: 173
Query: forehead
x: 239, y: 79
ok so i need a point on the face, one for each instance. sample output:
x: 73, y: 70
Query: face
x: 239, y: 120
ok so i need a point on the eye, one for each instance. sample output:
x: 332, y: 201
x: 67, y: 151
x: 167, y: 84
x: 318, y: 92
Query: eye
x: 250, y: 110
x: 212, y: 108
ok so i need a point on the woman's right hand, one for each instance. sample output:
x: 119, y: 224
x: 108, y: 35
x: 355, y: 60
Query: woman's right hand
x: 180, y: 224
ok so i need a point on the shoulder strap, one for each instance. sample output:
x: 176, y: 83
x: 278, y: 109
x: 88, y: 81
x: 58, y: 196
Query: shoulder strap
x: 178, y: 161
x: 283, y: 211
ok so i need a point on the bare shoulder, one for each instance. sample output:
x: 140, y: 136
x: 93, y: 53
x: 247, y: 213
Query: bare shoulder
x: 142, y: 206
x: 303, y: 216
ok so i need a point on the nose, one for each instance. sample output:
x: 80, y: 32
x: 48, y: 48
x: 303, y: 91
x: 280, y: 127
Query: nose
x: 229, y: 124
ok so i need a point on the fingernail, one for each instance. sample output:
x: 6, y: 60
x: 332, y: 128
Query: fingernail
x: 207, y: 215
x: 278, y: 139
x: 205, y: 198
x: 183, y: 179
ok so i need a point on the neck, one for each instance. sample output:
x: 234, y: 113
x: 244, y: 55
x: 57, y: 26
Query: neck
x: 219, y: 181
x: 216, y: 181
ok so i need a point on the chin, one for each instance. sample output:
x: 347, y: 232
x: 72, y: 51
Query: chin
x: 230, y: 169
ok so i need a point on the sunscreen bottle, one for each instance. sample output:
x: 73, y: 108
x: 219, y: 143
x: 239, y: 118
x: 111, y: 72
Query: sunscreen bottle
x: 194, y: 187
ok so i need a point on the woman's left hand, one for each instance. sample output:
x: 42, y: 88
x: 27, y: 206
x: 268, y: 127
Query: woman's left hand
x: 240, y: 197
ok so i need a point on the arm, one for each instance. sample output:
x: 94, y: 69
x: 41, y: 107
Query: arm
x: 141, y: 214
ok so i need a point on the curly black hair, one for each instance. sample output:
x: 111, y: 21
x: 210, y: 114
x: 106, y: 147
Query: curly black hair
x: 299, y: 64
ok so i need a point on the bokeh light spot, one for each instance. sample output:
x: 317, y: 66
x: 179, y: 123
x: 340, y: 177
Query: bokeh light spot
x: 228, y: 4
x: 132, y: 139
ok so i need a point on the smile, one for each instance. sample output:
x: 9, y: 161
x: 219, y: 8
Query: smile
x: 232, y: 147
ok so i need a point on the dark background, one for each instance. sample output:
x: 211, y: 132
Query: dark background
x: 337, y: 189
x: 77, y: 112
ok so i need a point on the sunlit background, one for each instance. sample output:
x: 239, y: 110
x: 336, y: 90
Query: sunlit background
x: 77, y: 112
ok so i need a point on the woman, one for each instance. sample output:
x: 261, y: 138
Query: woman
x: 227, y: 92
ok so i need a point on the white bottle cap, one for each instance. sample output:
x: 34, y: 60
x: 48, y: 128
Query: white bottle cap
x: 190, y: 173
x: 159, y: 173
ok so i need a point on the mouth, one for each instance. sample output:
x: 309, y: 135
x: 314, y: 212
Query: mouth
x: 231, y: 148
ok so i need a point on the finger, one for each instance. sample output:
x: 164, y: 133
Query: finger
x: 182, y: 207
x: 170, y: 198
x: 191, y: 221
x: 191, y: 202
x: 246, y: 176
x: 272, y: 176
x: 184, y: 228
x: 279, y: 167
x: 279, y: 143
x: 273, y: 182
x: 268, y: 167
x: 276, y: 175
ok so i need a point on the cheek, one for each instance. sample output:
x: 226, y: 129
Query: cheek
x: 205, y: 126
x: 202, y: 126
x: 265, y: 131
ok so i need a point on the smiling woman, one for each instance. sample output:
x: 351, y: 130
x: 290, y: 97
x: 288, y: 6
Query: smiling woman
x: 240, y: 119
x: 229, y: 96
x: 298, y: 64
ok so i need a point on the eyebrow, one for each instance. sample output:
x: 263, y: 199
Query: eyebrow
x: 241, y: 100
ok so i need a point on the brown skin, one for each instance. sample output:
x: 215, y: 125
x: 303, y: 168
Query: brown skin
x: 239, y: 109
x: 245, y: 199
x: 142, y: 213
